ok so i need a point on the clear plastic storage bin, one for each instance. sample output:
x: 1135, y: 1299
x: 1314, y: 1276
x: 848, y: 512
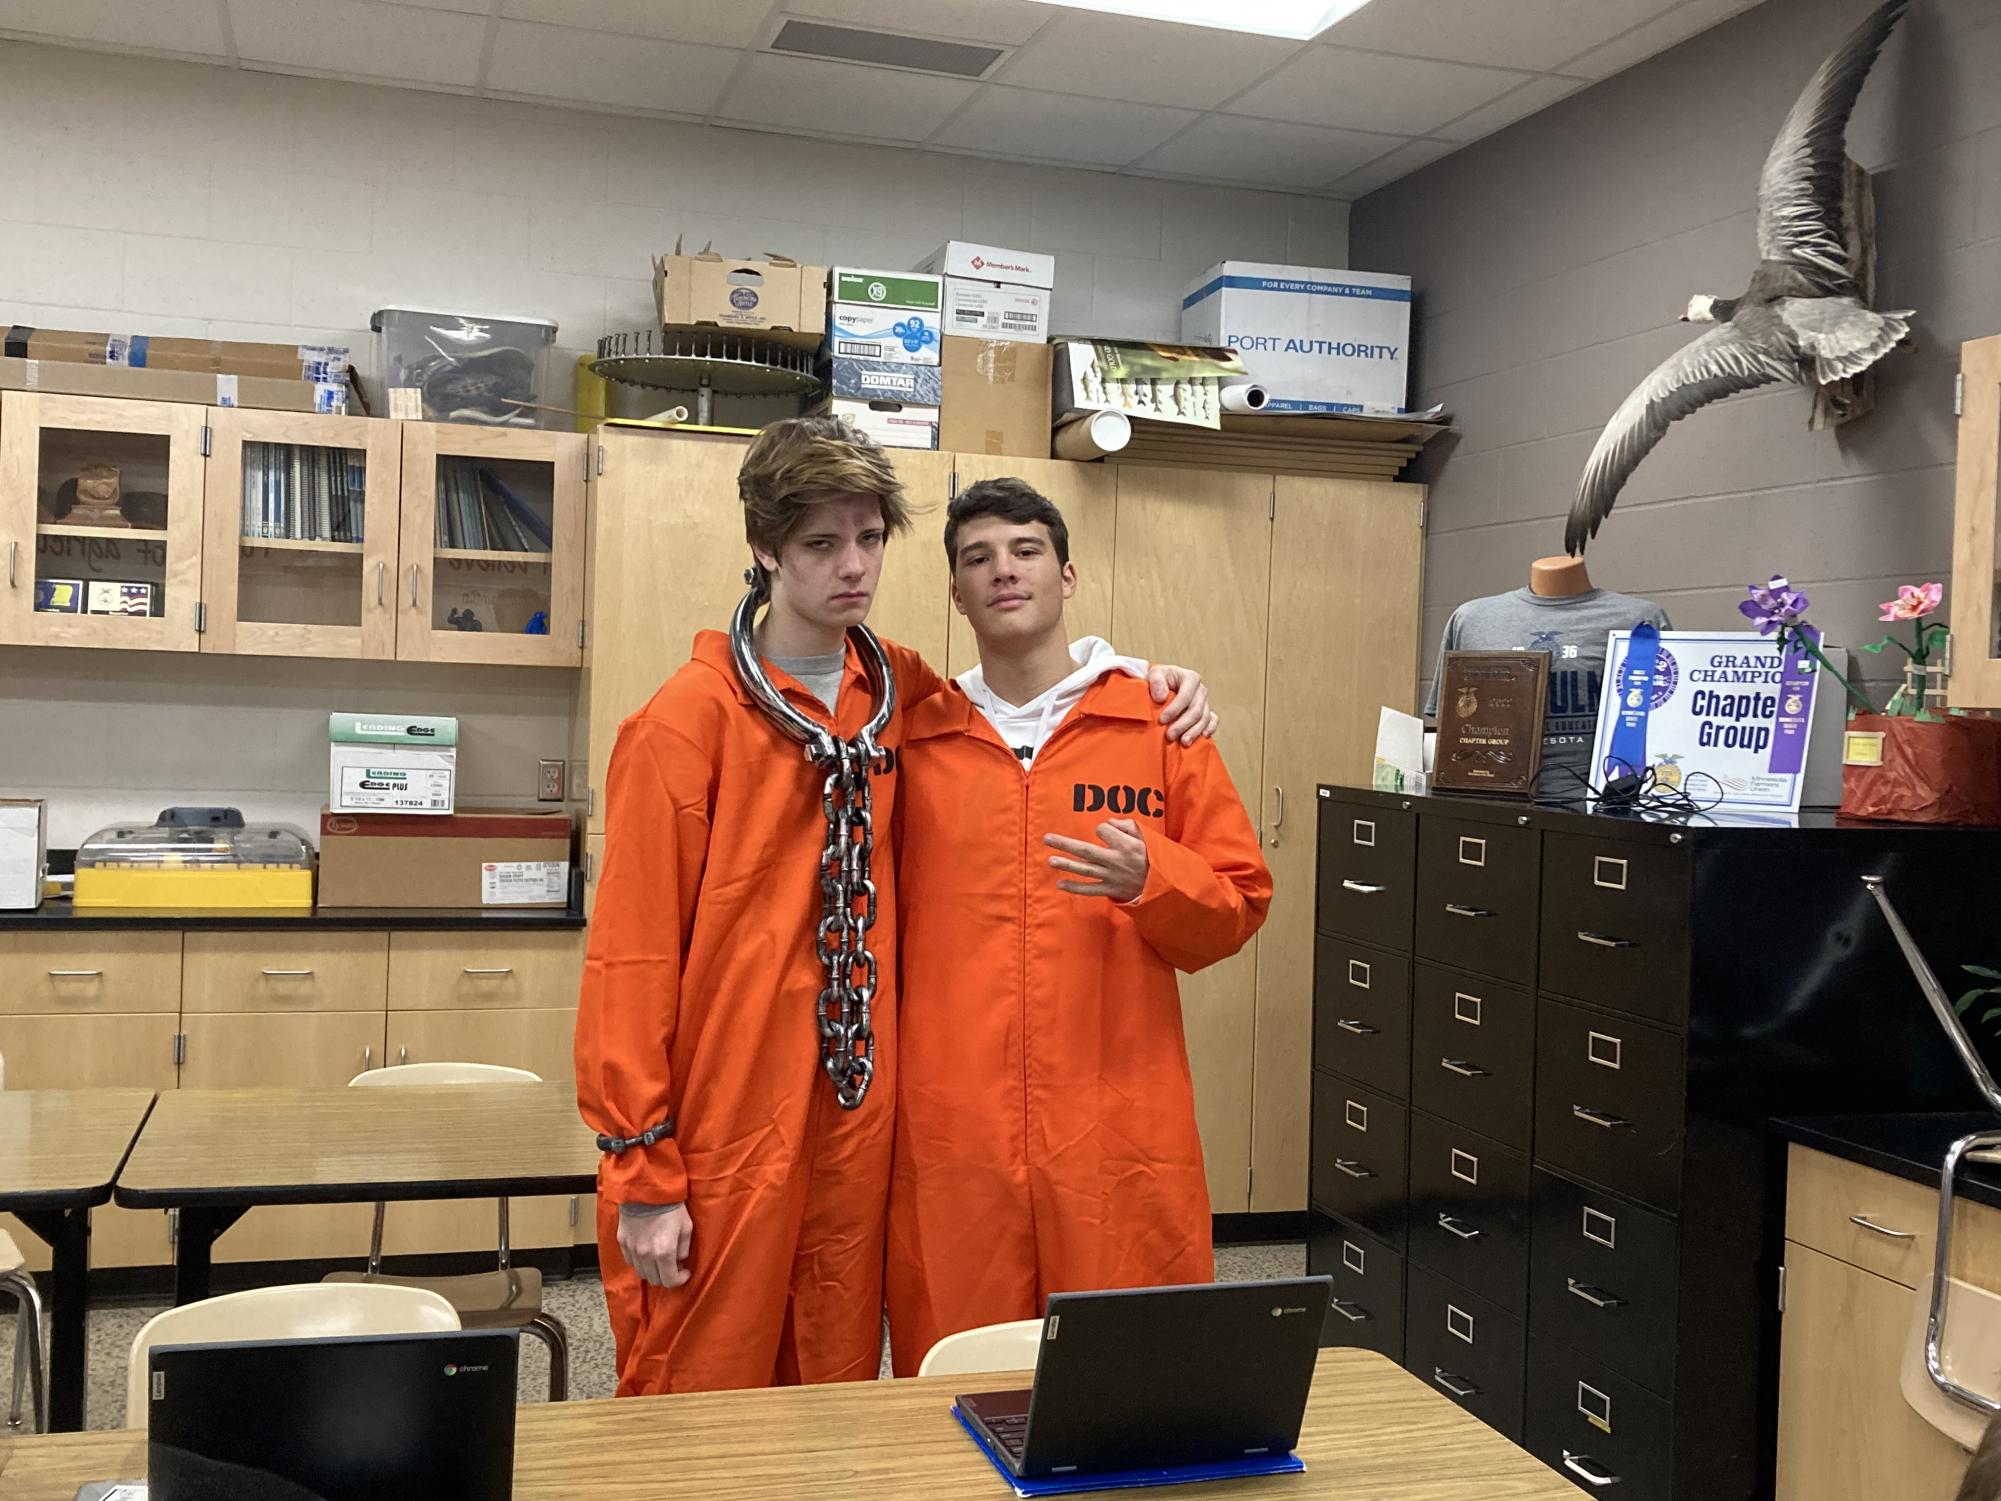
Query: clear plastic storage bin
x: 490, y: 371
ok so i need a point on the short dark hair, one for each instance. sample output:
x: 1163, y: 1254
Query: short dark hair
x: 1010, y: 499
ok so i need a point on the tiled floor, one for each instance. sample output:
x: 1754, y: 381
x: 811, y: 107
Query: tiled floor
x: 577, y: 1301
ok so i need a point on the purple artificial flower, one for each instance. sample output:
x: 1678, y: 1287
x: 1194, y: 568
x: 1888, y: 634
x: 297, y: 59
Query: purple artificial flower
x: 1777, y: 606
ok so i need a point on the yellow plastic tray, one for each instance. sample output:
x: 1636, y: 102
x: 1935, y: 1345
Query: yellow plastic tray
x: 118, y: 886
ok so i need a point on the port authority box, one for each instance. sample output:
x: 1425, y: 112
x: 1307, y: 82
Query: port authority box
x: 1318, y: 340
x: 392, y: 763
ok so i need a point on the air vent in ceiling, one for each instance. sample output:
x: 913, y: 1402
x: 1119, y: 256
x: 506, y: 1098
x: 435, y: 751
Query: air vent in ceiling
x: 886, y: 49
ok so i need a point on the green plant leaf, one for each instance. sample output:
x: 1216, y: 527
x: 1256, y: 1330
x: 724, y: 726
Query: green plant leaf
x: 1877, y: 649
x: 1981, y: 971
x: 1990, y: 1015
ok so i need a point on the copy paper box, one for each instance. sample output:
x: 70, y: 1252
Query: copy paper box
x: 24, y: 851
x: 913, y: 290
x: 774, y: 298
x: 1317, y: 340
x: 996, y: 310
x: 892, y: 424
x: 488, y: 858
x: 996, y: 398
x: 873, y: 380
x: 1021, y: 268
x: 392, y: 763
x: 905, y: 336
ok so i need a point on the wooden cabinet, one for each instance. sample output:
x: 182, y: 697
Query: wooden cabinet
x: 100, y: 506
x: 912, y: 603
x: 1976, y: 546
x: 455, y: 971
x: 284, y: 973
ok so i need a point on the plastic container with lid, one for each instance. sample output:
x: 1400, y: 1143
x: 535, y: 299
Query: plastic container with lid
x: 467, y: 368
x: 195, y: 857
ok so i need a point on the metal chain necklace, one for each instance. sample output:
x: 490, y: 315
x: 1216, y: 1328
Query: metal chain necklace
x: 847, y: 890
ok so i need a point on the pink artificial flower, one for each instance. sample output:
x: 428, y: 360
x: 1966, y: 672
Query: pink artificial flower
x: 1913, y: 602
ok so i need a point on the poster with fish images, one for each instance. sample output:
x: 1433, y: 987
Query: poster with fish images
x: 1723, y: 717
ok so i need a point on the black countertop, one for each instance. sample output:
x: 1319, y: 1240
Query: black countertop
x: 1910, y: 1146
x: 57, y: 916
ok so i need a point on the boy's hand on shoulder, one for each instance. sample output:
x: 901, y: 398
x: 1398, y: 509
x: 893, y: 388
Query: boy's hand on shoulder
x: 1115, y: 870
x: 1187, y: 716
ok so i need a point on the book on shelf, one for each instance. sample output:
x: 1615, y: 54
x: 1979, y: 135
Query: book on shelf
x: 303, y: 493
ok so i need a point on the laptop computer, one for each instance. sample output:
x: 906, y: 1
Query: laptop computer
x: 1213, y: 1377
x: 351, y: 1419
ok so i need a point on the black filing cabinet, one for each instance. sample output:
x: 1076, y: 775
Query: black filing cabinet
x: 1545, y: 1046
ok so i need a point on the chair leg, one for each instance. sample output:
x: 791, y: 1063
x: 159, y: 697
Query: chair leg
x: 30, y: 1360
x: 549, y: 1329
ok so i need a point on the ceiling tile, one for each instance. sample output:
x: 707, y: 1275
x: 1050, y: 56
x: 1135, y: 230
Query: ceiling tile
x: 1061, y: 127
x: 799, y: 93
x: 1150, y: 62
x: 1388, y: 168
x: 1532, y: 34
x: 1656, y: 35
x: 370, y: 41
x: 722, y: 23
x: 192, y: 28
x: 1232, y: 149
x: 1367, y: 91
x: 624, y: 72
x: 1009, y: 21
x: 1537, y: 93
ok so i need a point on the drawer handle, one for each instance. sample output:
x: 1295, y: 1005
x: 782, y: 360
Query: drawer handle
x: 1360, y: 1029
x: 1595, y: 1296
x: 1459, y: 910
x: 1868, y: 1224
x: 505, y: 969
x: 1462, y: 1068
x: 1354, y: 1313
x: 1605, y: 940
x: 1452, y: 1383
x: 1455, y: 1227
x: 1362, y: 888
x: 1588, y: 1470
x: 76, y: 974
x: 1600, y: 1119
x: 1352, y: 1168
x: 286, y: 974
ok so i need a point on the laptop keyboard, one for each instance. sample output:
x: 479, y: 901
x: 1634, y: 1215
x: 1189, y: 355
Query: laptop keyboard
x: 1010, y: 1431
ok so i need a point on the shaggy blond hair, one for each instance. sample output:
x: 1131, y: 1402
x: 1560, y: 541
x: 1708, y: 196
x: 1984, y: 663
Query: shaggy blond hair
x: 796, y: 464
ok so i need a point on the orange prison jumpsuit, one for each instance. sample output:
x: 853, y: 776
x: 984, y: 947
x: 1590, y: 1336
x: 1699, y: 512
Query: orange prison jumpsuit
x: 698, y: 1002
x: 1045, y: 1133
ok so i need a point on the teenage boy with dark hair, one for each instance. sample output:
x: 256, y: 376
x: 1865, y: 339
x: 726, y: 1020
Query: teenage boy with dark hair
x: 1070, y: 862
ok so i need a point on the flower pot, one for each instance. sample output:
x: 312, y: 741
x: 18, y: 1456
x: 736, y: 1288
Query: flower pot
x: 1944, y: 771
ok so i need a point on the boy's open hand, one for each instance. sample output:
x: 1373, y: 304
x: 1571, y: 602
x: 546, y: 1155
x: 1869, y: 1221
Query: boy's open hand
x: 1115, y: 869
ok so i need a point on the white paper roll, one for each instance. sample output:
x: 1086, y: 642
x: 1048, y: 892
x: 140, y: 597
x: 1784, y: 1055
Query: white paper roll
x: 1244, y: 396
x: 1092, y: 435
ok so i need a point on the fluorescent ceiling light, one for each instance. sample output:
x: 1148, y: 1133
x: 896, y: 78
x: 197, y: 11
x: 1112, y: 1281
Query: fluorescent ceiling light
x: 1297, y: 19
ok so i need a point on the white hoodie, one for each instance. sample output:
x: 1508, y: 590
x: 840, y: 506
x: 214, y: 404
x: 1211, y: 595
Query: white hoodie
x: 1027, y: 727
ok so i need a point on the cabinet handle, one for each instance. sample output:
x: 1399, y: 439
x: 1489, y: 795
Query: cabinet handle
x: 1868, y: 1224
x: 13, y: 558
x: 1362, y: 888
x: 76, y: 974
x: 1278, y: 822
x: 1354, y: 1313
x: 1360, y: 1029
x: 1599, y: 1118
x: 413, y: 586
x: 505, y: 969
x: 1605, y: 941
x: 402, y: 1056
x: 1596, y: 1297
x: 1588, y: 1470
x: 367, y: 1059
x: 1463, y: 1069
x: 381, y: 584
x: 1454, y: 1227
x: 1461, y: 911
x: 286, y: 974
x: 1352, y: 1168
x: 1452, y: 1383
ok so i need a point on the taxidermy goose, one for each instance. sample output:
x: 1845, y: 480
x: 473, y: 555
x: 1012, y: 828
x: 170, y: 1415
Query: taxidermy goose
x: 1802, y: 318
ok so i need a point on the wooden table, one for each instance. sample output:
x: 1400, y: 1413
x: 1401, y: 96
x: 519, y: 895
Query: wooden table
x: 1373, y: 1432
x: 60, y: 1152
x: 214, y: 1153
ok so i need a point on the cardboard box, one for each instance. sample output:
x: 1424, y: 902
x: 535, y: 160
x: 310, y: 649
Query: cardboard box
x: 892, y: 424
x: 1021, y: 268
x: 313, y: 362
x: 392, y: 763
x: 59, y: 377
x: 914, y: 291
x: 994, y: 293
x: 775, y: 298
x: 24, y: 851
x: 871, y: 380
x: 1316, y: 340
x: 996, y: 398
x: 902, y: 336
x: 489, y: 858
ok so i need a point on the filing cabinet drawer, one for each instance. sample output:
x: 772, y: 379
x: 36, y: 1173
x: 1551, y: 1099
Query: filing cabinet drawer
x: 1367, y: 1307
x: 1367, y: 872
x: 1465, y: 1347
x: 284, y: 972
x: 1361, y: 1014
x: 1615, y: 925
x: 1608, y: 1101
x: 1359, y: 1141
x: 1602, y: 1279
x: 1472, y: 1057
x: 472, y: 971
x: 89, y: 973
x: 1469, y: 1210
x: 1476, y: 896
x: 1596, y: 1427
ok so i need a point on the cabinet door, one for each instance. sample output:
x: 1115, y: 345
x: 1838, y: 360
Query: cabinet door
x: 299, y: 535
x: 1347, y: 561
x: 1845, y: 1431
x: 913, y: 600
x: 459, y: 972
x: 100, y: 521
x: 1087, y: 495
x: 539, y: 1039
x: 242, y: 1049
x: 99, y: 1051
x: 1191, y: 568
x: 491, y: 553
x: 1976, y: 546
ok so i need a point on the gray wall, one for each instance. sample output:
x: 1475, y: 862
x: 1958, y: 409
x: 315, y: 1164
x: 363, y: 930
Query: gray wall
x: 1553, y: 260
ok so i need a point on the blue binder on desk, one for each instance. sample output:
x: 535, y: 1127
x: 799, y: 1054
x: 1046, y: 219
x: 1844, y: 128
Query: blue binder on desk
x: 1157, y: 1386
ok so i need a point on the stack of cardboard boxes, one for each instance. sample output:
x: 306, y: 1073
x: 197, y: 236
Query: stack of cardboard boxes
x: 995, y: 355
x: 881, y: 359
x: 208, y: 372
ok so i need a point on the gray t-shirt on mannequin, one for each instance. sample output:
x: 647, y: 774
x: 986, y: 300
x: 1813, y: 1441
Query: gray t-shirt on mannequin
x: 1572, y: 629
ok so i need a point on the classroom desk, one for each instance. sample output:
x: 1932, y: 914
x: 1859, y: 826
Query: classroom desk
x: 60, y: 1152
x: 214, y: 1153
x: 1373, y: 1432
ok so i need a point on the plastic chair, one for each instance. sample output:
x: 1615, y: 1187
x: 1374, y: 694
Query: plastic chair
x: 508, y: 1297
x: 30, y: 1368
x: 993, y: 1347
x: 306, y: 1310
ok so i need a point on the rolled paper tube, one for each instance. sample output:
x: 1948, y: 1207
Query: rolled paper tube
x: 671, y: 415
x: 1092, y: 435
x: 1244, y: 396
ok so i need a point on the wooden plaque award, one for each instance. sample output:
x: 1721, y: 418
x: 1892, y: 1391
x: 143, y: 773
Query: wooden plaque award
x: 1490, y: 713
